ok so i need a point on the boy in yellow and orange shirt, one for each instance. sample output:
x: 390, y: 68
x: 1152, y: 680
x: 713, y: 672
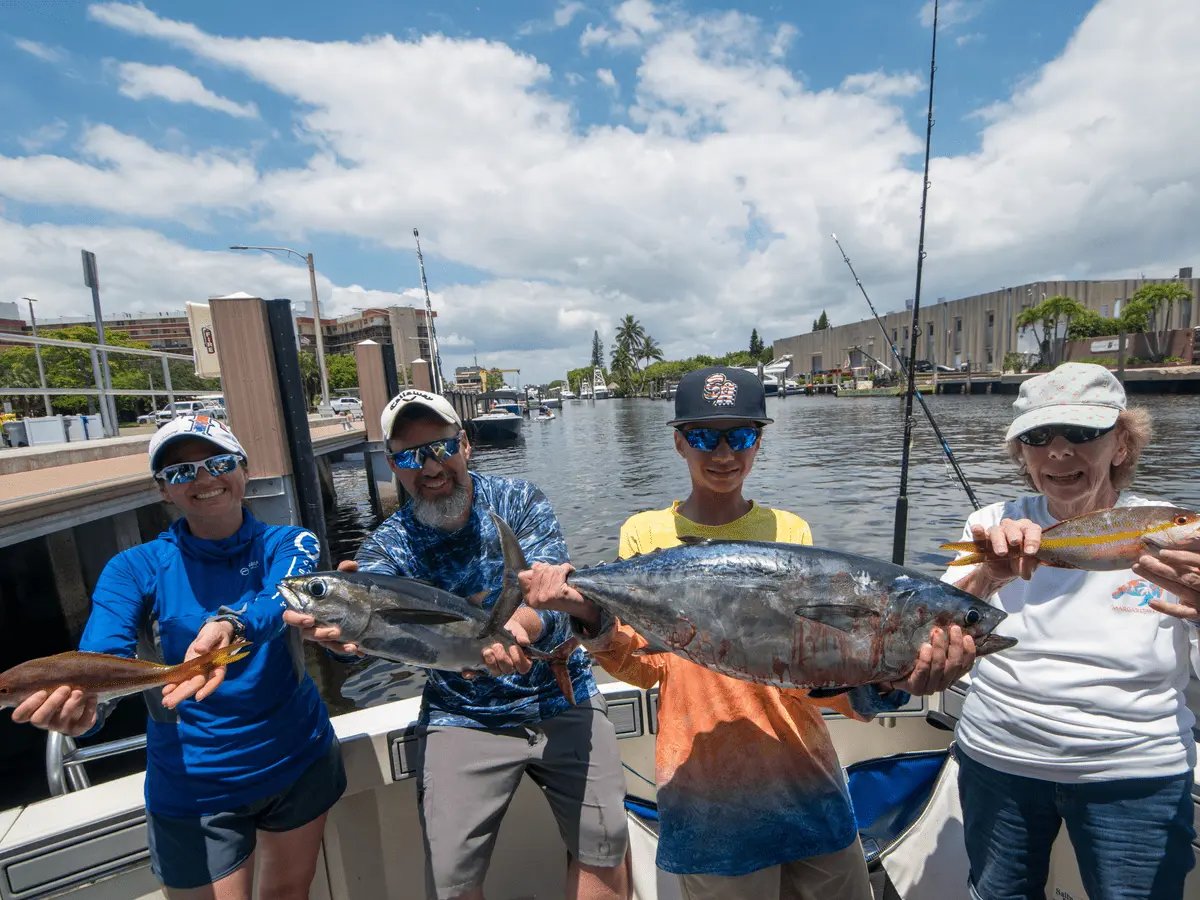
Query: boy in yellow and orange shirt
x: 751, y: 796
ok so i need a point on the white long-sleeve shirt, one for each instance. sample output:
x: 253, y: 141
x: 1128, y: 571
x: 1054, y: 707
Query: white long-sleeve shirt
x: 1094, y: 688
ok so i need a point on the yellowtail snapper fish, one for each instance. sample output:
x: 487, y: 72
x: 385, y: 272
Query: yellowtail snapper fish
x: 1102, y: 541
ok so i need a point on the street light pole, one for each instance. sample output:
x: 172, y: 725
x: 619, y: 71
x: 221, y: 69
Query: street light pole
x: 324, y: 408
x: 37, y: 351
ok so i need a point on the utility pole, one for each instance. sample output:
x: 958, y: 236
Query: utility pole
x: 436, y: 362
x: 108, y: 408
x: 37, y: 351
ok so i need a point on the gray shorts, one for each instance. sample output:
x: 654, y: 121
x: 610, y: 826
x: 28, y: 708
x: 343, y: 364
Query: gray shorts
x: 193, y: 852
x: 469, y: 776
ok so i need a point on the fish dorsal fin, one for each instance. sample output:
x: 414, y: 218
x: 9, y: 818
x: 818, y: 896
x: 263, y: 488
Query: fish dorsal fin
x: 842, y: 616
x: 402, y: 617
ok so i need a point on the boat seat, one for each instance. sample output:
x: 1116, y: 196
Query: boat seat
x: 889, y: 794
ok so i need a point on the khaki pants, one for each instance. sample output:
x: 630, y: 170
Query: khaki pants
x: 834, y: 876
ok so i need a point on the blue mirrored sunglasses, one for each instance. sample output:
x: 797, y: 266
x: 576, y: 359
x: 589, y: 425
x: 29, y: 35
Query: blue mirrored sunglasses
x: 1076, y: 434
x: 741, y: 438
x: 185, y: 472
x: 438, y: 451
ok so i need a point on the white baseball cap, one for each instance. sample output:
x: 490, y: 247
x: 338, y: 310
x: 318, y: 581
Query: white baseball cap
x: 1073, y: 394
x: 201, y: 427
x: 435, y: 403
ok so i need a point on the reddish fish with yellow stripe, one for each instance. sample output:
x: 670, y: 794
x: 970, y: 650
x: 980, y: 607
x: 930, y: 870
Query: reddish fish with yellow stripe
x: 1102, y: 541
x: 107, y: 676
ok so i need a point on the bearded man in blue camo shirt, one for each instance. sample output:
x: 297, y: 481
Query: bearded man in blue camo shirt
x: 479, y: 735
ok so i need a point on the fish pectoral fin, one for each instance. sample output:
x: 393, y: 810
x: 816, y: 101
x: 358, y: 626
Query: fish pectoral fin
x: 477, y: 599
x: 823, y: 693
x: 405, y: 616
x: 841, y: 616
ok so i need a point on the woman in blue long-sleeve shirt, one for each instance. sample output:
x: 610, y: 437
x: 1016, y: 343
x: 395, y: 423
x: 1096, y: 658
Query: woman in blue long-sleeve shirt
x: 256, y: 764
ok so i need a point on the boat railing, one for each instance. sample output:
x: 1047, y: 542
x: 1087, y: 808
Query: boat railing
x: 64, y: 760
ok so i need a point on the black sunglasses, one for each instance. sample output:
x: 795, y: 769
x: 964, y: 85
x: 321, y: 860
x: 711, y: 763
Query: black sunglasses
x: 1076, y: 434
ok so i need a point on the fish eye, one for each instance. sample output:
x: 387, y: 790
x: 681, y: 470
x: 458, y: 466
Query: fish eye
x: 972, y: 616
x: 1181, y: 520
x: 318, y: 588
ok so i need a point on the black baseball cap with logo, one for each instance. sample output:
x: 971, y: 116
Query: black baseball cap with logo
x: 720, y: 392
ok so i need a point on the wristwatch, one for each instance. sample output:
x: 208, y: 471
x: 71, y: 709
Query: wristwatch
x: 239, y: 627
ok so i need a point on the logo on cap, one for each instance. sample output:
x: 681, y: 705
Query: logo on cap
x: 719, y: 390
x: 410, y: 394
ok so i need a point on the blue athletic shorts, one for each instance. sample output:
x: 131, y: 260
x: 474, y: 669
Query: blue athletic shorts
x: 190, y: 853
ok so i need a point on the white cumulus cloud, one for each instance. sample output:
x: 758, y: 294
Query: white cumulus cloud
x: 139, y: 81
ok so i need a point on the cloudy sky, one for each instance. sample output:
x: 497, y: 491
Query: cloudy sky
x: 571, y: 162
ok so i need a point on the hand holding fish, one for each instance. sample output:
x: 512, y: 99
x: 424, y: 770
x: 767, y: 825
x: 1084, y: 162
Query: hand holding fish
x: 63, y: 709
x: 946, y: 658
x: 1010, y: 551
x: 328, y: 636
x: 525, y: 628
x: 213, y: 636
x: 1178, y: 571
x: 545, y: 587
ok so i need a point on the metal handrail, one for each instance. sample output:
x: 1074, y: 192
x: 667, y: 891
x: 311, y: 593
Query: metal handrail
x: 9, y: 338
x: 64, y: 760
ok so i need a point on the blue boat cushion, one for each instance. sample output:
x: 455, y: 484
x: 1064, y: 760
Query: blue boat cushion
x: 889, y: 793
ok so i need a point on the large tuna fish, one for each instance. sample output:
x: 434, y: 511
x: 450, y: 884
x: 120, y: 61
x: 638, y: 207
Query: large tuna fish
x: 781, y: 614
x: 413, y: 622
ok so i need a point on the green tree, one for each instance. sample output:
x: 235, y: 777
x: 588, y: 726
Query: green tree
x: 597, y: 350
x: 1149, y: 310
x: 343, y: 371
x: 1046, y: 319
x: 310, y: 378
x: 756, y: 344
x: 623, y: 369
x: 493, y: 379
x: 821, y: 322
x: 1089, y: 323
x: 648, y: 352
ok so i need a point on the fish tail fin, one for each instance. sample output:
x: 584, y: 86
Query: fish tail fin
x: 206, y: 662
x: 510, y: 592
x: 557, y: 660
x: 975, y: 553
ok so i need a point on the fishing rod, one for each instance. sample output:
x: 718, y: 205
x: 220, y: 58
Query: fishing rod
x: 904, y: 372
x: 899, y: 534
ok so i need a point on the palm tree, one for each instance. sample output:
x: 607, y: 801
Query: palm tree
x: 647, y: 352
x: 628, y: 346
x: 623, y: 367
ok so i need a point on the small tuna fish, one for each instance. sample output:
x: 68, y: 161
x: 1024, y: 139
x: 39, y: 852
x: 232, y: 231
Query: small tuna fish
x: 413, y: 622
x: 781, y: 614
x: 1102, y: 541
x: 104, y: 675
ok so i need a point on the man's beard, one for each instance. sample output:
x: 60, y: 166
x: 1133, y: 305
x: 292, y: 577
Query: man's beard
x: 447, y: 513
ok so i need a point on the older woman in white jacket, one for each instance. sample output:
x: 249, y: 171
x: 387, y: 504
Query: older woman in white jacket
x: 1084, y: 721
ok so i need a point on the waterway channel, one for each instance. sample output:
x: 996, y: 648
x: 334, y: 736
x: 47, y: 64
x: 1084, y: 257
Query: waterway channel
x: 834, y: 461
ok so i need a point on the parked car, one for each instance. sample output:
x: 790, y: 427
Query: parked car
x: 346, y: 405
x: 188, y: 408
